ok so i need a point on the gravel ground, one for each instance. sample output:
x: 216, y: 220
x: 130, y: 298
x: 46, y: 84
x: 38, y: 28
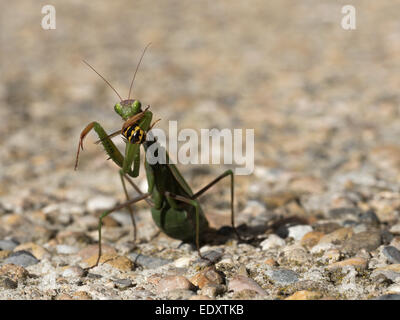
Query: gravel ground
x: 322, y: 204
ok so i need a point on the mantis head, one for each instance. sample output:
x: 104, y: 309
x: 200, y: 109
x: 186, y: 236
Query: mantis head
x: 128, y: 108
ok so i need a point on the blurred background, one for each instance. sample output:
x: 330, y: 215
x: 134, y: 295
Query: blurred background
x: 323, y: 101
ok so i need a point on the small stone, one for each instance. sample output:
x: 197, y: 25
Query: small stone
x: 278, y: 199
x: 298, y: 232
x: 7, y: 283
x: 273, y: 241
x: 395, y: 229
x: 305, y: 295
x: 337, y: 236
x: 296, y: 253
x: 212, y: 290
x: 321, y: 247
x: 66, y: 249
x: 100, y: 203
x: 271, y: 262
x: 310, y: 239
x: 147, y: 261
x: 391, y: 272
x: 327, y: 227
x: 38, y: 251
x: 180, y: 294
x: 93, y: 249
x: 239, y: 283
x: 368, y: 240
x: 73, y: 272
x: 64, y: 297
x: 392, y: 254
x: 212, y: 256
x: 369, y: 217
x: 8, y: 244
x: 183, y: 262
x: 331, y: 255
x: 393, y: 289
x: 14, y: 272
x: 283, y: 277
x: 357, y: 263
x: 207, y: 276
x: 123, y: 283
x: 22, y: 258
x: 173, y: 283
x: 119, y: 262
x: 81, y: 295
x: 388, y: 297
x: 4, y: 254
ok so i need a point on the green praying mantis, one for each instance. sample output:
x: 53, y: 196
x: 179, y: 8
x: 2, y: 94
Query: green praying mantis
x: 174, y: 206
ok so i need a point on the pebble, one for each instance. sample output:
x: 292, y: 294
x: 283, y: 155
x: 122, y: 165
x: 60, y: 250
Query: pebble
x: 273, y: 241
x: 305, y: 295
x: 183, y: 262
x: 93, y: 249
x: 7, y: 283
x: 123, y: 283
x: 337, y: 236
x: 283, y: 277
x: 119, y: 262
x: 148, y: 261
x: 22, y: 258
x: 296, y: 253
x: 391, y: 272
x: 100, y: 203
x: 66, y: 249
x: 298, y: 232
x: 81, y: 295
x: 368, y: 240
x: 310, y: 239
x: 206, y: 277
x: 278, y: 199
x: 38, y: 251
x: 14, y: 272
x: 357, y: 263
x: 369, y: 217
x: 171, y: 283
x: 331, y: 255
x: 395, y: 229
x: 4, y: 254
x: 239, y: 283
x: 321, y: 247
x: 8, y: 245
x: 392, y: 254
x: 213, y: 256
x: 73, y: 272
x: 180, y: 294
x: 212, y: 290
x: 393, y: 289
x: 388, y: 297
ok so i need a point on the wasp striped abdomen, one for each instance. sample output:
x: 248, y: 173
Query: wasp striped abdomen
x: 134, y: 134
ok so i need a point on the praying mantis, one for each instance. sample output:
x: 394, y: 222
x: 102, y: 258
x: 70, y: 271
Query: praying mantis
x: 174, y: 206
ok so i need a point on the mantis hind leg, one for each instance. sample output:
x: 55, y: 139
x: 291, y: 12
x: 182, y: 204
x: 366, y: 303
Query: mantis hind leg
x: 196, y: 205
x: 106, y: 213
x: 216, y: 180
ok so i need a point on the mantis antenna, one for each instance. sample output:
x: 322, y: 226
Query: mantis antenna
x: 109, y: 84
x: 137, y: 67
